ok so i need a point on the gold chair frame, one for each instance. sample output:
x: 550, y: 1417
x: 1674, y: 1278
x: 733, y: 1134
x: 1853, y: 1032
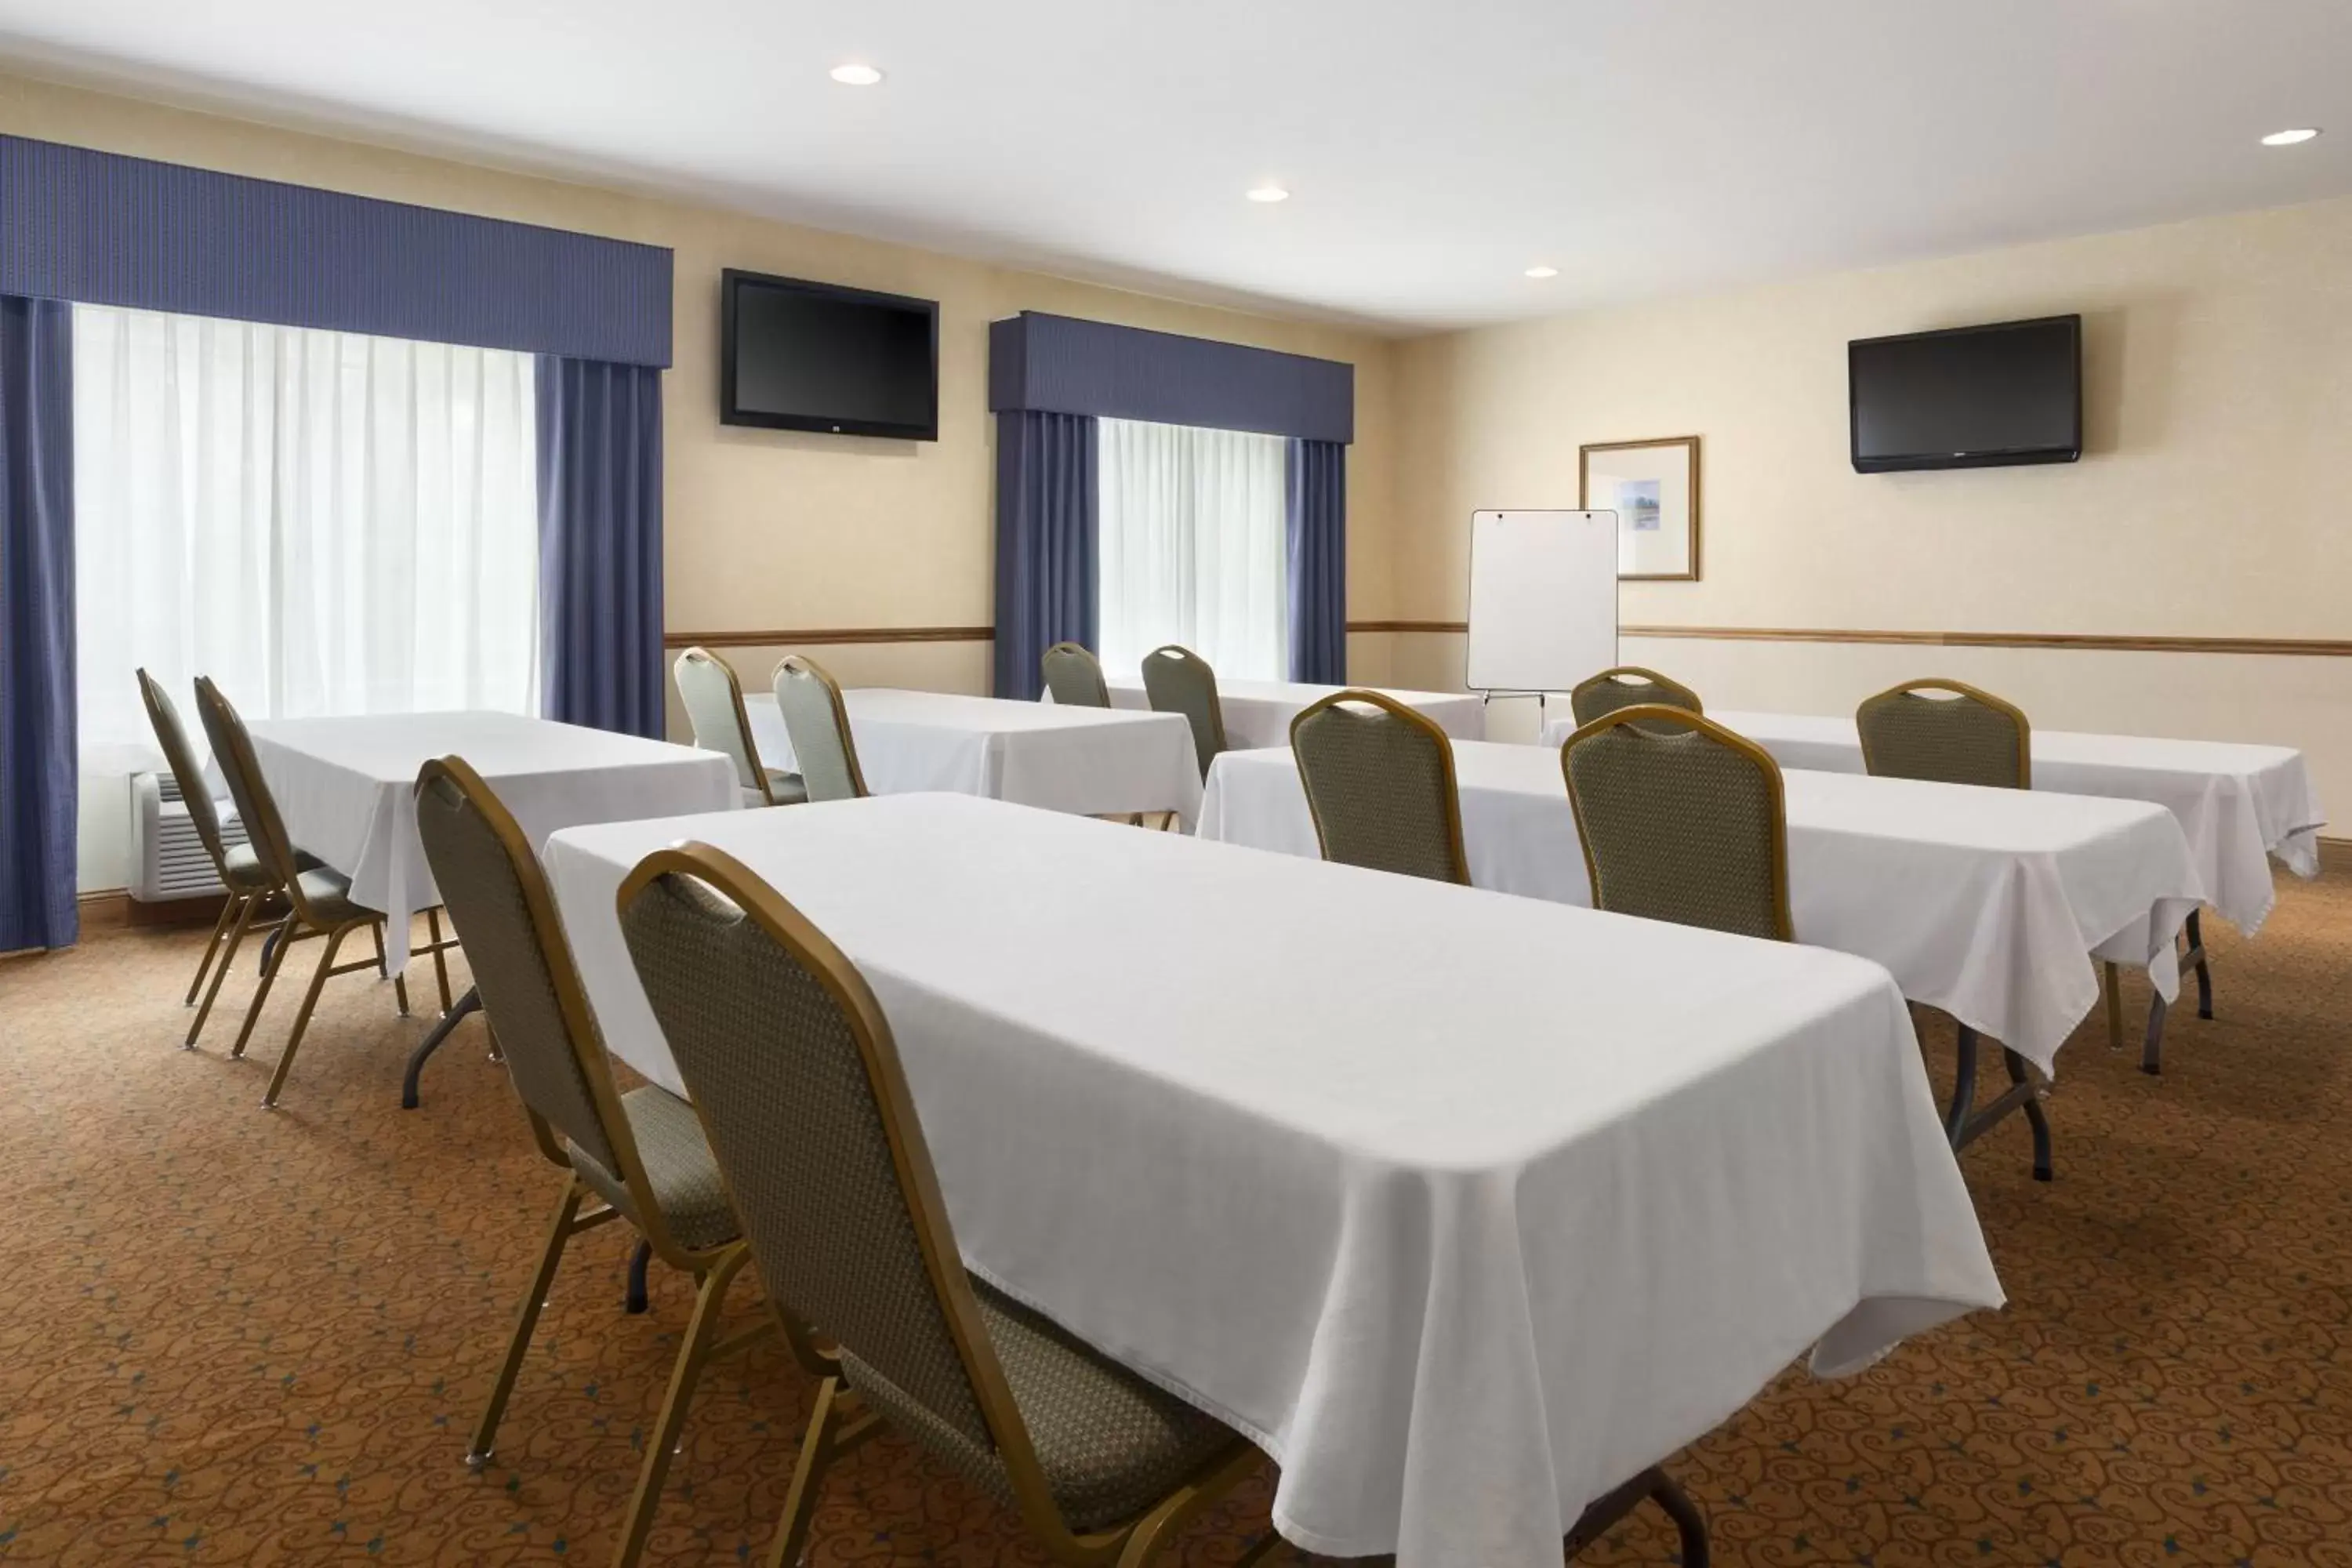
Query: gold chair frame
x: 1961, y: 688
x: 1458, y: 856
x: 713, y: 1269
x: 241, y: 906
x: 265, y: 831
x: 800, y: 663
x: 698, y: 655
x: 839, y: 1421
x: 1644, y: 714
x: 1663, y: 682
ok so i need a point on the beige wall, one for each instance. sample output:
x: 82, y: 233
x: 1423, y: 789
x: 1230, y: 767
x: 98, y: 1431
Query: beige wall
x: 2214, y: 496
x: 764, y: 528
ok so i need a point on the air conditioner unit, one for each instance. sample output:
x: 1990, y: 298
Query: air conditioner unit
x: 168, y: 861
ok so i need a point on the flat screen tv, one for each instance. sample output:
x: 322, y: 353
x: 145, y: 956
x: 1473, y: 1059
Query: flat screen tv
x: 1974, y: 397
x: 796, y: 355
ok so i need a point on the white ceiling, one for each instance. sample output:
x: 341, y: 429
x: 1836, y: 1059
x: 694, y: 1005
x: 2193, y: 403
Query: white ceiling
x: 1436, y: 150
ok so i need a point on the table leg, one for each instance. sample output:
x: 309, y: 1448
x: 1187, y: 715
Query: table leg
x: 2196, y: 955
x: 637, y: 1300
x: 2151, y: 1053
x: 472, y: 1002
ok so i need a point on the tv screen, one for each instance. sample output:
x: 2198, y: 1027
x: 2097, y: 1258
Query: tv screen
x: 1973, y: 397
x: 796, y: 355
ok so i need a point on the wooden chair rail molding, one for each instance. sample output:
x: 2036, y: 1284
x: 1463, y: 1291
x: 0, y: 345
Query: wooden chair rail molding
x: 2304, y: 648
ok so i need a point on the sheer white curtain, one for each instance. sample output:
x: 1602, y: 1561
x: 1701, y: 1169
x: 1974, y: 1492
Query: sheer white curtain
x: 1193, y: 547
x: 320, y: 521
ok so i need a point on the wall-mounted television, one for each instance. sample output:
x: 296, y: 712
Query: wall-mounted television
x: 1972, y: 397
x: 796, y: 355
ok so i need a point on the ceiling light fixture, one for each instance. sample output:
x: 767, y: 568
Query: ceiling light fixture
x: 1269, y: 193
x: 856, y: 76
x: 1543, y: 271
x: 2290, y: 138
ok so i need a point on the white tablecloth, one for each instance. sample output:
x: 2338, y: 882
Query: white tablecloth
x: 2239, y: 804
x: 1323, y: 1151
x: 346, y: 789
x: 1988, y: 904
x: 1088, y: 761
x: 1259, y: 712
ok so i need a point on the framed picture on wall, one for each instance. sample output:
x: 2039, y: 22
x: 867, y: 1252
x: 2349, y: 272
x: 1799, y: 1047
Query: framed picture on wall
x: 1653, y: 487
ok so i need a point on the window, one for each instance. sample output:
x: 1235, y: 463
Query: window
x: 322, y: 523
x: 1193, y: 546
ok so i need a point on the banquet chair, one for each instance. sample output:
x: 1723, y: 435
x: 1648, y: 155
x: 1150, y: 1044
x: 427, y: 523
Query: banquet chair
x: 318, y: 898
x: 1627, y: 686
x: 1177, y: 680
x: 818, y: 721
x: 714, y: 706
x: 796, y: 1075
x: 642, y: 1153
x: 1379, y: 778
x: 1681, y: 820
x: 1074, y: 677
x: 1969, y: 737
x: 251, y: 888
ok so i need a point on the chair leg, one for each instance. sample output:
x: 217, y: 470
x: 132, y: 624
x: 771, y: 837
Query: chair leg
x: 230, y: 908
x: 485, y: 1432
x: 2036, y: 1116
x: 283, y: 940
x: 817, y: 1452
x: 220, y: 971
x: 440, y: 959
x: 302, y: 1018
x: 2115, y: 990
x: 701, y: 1330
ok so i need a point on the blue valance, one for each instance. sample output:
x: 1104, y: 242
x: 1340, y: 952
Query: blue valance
x: 1059, y: 365
x: 104, y: 229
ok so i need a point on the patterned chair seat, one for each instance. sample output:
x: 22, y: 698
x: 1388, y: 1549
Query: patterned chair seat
x: 677, y: 1164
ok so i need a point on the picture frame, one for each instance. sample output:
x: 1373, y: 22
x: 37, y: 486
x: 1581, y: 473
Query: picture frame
x: 1654, y: 488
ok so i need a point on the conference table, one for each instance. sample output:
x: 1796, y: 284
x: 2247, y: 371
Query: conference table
x: 1321, y: 1150
x: 1087, y: 761
x: 1987, y: 904
x: 345, y: 787
x: 1259, y: 712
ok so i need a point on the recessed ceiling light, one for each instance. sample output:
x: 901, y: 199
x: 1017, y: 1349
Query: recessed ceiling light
x: 1269, y: 191
x: 1543, y: 271
x: 856, y: 76
x: 2289, y: 138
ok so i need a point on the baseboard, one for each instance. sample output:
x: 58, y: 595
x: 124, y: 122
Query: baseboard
x: 113, y: 910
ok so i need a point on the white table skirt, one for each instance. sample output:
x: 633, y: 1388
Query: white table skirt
x: 1085, y: 761
x: 346, y: 787
x: 2240, y: 804
x: 1259, y: 712
x: 1321, y: 1150
x: 1988, y: 904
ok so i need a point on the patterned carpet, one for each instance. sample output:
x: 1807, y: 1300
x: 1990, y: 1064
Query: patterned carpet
x: 231, y: 1337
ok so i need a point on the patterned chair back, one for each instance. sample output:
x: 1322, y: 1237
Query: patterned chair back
x: 265, y: 830
x: 1379, y: 780
x: 818, y: 723
x: 1970, y: 737
x: 1681, y: 820
x: 1628, y: 686
x: 714, y: 706
x: 1177, y: 680
x: 195, y: 790
x: 795, y: 1075
x: 1074, y: 677
x: 497, y: 899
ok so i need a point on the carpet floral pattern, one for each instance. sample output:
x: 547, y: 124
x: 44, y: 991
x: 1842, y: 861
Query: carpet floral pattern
x: 228, y: 1336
